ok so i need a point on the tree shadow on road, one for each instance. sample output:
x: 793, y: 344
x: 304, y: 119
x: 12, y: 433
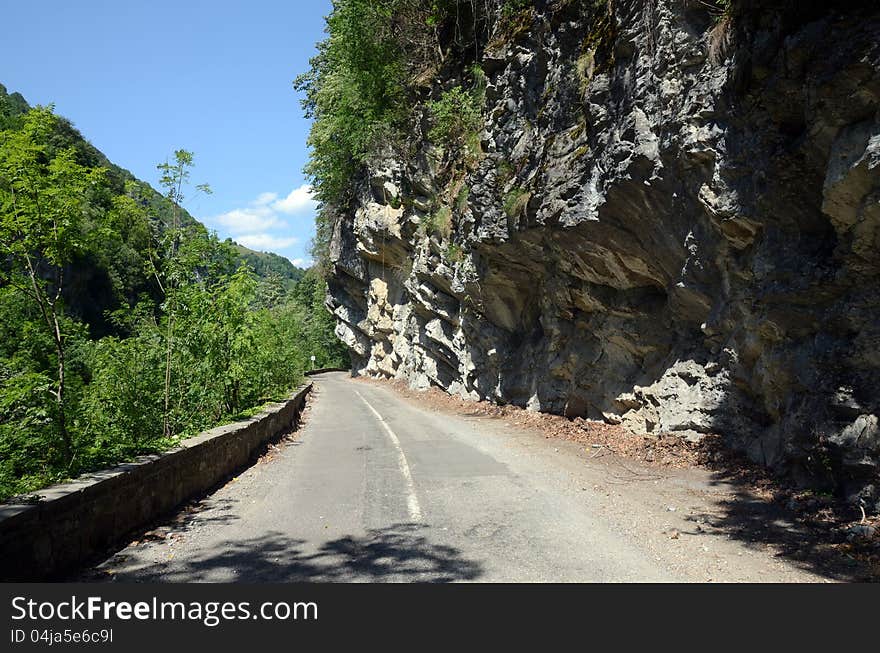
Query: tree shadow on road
x: 398, y: 553
x: 800, y: 527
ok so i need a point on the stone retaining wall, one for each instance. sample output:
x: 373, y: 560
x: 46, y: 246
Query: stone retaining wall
x: 327, y: 369
x: 73, y: 522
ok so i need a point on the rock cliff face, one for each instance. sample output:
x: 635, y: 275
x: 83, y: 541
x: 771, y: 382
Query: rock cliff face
x: 673, y: 223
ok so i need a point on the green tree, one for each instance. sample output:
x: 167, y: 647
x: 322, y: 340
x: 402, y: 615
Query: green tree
x: 231, y: 323
x: 174, y: 334
x: 122, y: 407
x: 174, y: 178
x: 355, y: 92
x: 44, y: 197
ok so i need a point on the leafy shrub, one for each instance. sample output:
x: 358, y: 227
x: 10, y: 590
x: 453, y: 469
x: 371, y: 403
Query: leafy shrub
x: 512, y: 8
x: 455, y: 117
x: 354, y: 90
x: 439, y: 222
x: 516, y: 18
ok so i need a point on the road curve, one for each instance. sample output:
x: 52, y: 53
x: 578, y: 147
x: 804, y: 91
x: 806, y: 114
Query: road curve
x: 375, y: 488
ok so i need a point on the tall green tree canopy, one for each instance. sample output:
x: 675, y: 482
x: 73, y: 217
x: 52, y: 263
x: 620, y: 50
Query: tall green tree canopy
x: 124, y: 324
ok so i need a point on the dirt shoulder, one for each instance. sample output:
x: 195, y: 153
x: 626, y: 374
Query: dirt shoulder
x: 737, y: 500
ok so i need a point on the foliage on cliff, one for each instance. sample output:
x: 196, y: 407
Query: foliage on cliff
x: 377, y: 66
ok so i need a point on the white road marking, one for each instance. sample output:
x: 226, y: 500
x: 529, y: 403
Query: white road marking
x: 412, y: 501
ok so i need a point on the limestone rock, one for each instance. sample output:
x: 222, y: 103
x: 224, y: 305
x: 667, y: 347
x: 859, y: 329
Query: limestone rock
x: 681, y: 235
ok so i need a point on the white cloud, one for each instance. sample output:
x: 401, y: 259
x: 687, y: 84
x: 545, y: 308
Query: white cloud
x: 265, y: 198
x: 261, y: 215
x: 261, y: 225
x: 300, y: 200
x: 301, y: 262
x: 250, y: 219
x: 265, y: 242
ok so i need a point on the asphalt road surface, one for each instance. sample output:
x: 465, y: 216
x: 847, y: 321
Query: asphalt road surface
x: 375, y: 487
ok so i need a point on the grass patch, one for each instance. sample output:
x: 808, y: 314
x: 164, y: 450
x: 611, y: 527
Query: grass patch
x: 505, y: 172
x: 516, y: 202
x: 461, y: 200
x: 585, y: 66
x: 438, y: 222
x: 581, y: 152
x: 454, y: 253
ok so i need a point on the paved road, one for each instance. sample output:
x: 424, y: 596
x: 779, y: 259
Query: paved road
x: 376, y: 488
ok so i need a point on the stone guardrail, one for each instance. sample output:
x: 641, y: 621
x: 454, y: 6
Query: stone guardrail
x: 327, y: 369
x: 75, y: 521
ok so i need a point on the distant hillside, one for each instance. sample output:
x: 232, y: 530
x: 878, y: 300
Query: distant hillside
x: 266, y: 264
x: 98, y: 286
x: 125, y: 324
x: 13, y: 105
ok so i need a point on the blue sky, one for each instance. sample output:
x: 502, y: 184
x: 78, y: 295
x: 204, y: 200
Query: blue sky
x: 141, y: 79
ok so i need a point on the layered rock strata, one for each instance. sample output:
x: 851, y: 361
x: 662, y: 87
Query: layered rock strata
x: 672, y: 225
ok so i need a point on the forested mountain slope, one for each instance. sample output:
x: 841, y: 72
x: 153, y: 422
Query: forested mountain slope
x: 124, y: 324
x: 115, y: 270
